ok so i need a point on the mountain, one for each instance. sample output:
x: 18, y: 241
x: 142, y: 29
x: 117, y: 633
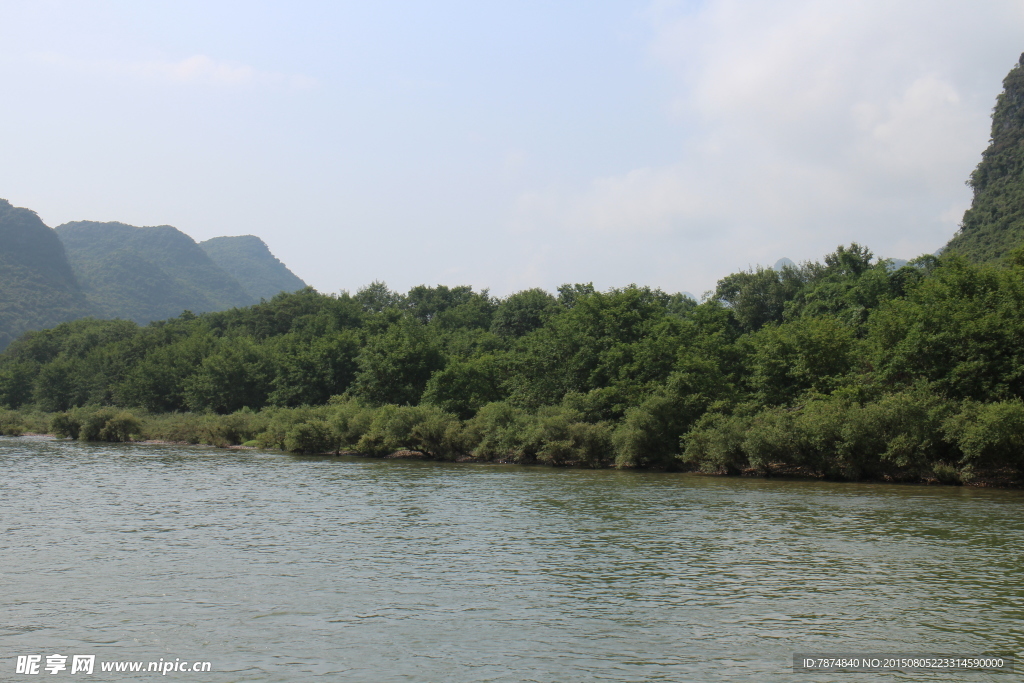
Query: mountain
x: 146, y: 274
x: 994, y: 225
x: 37, y: 286
x: 247, y: 259
x: 113, y: 270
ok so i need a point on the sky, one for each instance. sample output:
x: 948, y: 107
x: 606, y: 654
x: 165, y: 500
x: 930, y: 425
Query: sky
x: 508, y: 144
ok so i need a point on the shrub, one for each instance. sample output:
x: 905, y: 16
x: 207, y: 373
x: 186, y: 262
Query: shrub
x: 581, y: 443
x: 899, y: 434
x: 824, y: 442
x: 500, y: 431
x: 947, y: 474
x: 279, y: 421
x: 426, y: 429
x: 649, y: 435
x: 120, y: 427
x: 715, y: 444
x: 989, y: 434
x: 349, y: 420
x: 93, y: 421
x: 438, y: 434
x: 65, y: 426
x: 97, y: 424
x: 230, y: 430
x: 176, y: 427
x: 906, y: 429
x: 770, y: 439
x: 314, y: 436
x: 11, y: 423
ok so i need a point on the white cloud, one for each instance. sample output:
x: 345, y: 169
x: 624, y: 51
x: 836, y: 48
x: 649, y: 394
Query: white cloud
x: 805, y: 124
x: 650, y: 201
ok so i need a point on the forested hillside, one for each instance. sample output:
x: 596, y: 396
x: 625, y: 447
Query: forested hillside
x: 37, y: 286
x: 146, y: 274
x: 113, y: 270
x: 846, y: 368
x: 247, y: 259
x: 850, y: 367
x: 994, y: 225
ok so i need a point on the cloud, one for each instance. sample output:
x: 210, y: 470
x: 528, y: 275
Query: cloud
x: 194, y: 70
x: 642, y: 201
x: 804, y: 124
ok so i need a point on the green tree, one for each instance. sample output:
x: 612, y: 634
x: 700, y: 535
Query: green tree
x: 394, y: 367
x: 236, y: 375
x: 463, y: 387
x: 523, y: 312
x: 813, y: 353
x: 309, y: 370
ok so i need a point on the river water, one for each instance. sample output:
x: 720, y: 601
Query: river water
x: 282, y: 568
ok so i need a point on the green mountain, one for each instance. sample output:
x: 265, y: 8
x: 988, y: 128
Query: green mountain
x: 37, y: 286
x: 146, y: 274
x: 994, y: 225
x: 247, y: 259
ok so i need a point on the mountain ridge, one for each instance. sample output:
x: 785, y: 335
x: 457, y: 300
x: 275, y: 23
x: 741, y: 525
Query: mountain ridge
x: 115, y: 270
x: 248, y: 259
x: 146, y: 273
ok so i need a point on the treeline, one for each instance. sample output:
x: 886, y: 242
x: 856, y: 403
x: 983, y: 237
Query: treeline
x: 846, y: 368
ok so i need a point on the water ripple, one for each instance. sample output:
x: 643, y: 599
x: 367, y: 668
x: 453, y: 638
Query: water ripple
x: 277, y: 568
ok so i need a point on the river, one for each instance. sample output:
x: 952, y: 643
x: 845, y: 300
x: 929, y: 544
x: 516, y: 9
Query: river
x: 281, y: 568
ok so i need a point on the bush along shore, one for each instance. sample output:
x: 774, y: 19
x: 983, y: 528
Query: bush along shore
x: 848, y: 369
x: 909, y: 437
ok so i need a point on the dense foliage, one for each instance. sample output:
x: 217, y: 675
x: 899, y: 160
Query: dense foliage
x: 845, y: 368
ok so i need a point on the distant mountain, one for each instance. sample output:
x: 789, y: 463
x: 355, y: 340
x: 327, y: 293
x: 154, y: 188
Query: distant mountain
x: 994, y: 225
x: 147, y: 274
x: 37, y: 286
x: 112, y: 270
x: 247, y: 259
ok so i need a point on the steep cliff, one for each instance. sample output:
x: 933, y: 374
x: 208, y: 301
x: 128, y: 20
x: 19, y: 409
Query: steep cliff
x: 994, y: 225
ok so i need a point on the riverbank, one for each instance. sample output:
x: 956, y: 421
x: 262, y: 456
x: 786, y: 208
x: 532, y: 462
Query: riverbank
x: 812, y: 444
x: 1004, y: 478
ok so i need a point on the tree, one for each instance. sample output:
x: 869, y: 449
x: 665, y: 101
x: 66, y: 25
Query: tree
x: 310, y: 370
x: 463, y: 387
x: 523, y: 312
x: 376, y: 297
x: 394, y: 367
x: 236, y: 375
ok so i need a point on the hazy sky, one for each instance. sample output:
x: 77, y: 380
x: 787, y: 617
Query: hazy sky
x: 508, y: 144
